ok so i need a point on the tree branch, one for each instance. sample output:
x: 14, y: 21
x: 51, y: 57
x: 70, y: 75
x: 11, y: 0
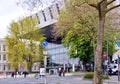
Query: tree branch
x: 101, y: 2
x: 94, y: 5
x: 78, y: 5
x: 110, y: 2
x: 112, y: 8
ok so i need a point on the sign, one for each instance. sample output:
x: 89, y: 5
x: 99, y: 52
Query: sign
x: 105, y: 56
x: 118, y: 52
x: 44, y: 43
x: 118, y: 44
x: 42, y: 71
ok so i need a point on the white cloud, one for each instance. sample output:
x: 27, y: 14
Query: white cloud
x: 8, y: 11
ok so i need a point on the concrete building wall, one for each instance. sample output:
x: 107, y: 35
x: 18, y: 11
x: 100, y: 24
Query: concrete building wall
x: 4, y: 67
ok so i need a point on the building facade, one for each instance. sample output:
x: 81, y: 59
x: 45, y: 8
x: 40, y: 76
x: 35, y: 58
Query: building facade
x: 4, y: 66
x: 46, y: 19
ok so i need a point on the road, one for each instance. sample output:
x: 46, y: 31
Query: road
x: 53, y: 79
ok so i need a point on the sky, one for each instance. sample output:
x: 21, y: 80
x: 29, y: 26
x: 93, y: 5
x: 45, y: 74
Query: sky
x: 9, y: 11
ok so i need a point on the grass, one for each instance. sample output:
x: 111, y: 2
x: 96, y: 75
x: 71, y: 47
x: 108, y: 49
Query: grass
x: 89, y: 75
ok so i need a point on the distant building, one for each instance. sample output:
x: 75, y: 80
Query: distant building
x: 4, y: 65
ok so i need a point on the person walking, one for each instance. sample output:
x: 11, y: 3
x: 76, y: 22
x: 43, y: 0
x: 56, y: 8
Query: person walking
x: 25, y: 74
x: 63, y: 71
x: 60, y: 71
x: 12, y: 75
x: 110, y: 71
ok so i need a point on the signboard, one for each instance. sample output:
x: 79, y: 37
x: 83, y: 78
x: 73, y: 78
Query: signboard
x: 118, y: 44
x: 44, y: 43
x: 42, y: 71
x: 118, y: 52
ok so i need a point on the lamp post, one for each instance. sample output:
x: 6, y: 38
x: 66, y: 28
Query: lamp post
x: 118, y: 52
x: 107, y: 55
x: 45, y: 43
x: 118, y: 65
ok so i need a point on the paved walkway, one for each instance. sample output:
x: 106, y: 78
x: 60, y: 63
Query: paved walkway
x: 112, y: 80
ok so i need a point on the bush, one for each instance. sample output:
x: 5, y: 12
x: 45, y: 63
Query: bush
x: 89, y: 75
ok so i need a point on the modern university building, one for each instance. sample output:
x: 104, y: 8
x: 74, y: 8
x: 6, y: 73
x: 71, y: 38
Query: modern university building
x: 46, y: 19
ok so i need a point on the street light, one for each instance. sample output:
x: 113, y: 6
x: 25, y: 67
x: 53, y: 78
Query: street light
x: 107, y: 56
x: 118, y: 65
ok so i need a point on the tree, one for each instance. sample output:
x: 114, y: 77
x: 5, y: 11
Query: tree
x: 77, y: 25
x: 15, y: 47
x: 22, y: 42
x: 32, y: 34
x: 102, y: 7
x: 78, y: 47
x: 102, y: 10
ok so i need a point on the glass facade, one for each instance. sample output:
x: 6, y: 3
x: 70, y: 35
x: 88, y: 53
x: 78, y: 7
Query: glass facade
x: 59, y: 54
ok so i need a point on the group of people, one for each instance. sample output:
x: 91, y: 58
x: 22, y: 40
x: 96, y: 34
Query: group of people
x: 62, y: 71
x: 14, y: 74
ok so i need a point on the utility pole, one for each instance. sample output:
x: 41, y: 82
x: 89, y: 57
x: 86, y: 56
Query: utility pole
x: 118, y: 65
x: 107, y: 56
x: 118, y: 69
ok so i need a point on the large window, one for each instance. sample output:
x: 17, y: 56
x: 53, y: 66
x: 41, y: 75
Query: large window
x: 3, y: 47
x: 51, y: 13
x: 44, y: 15
x: 58, y: 9
x: 38, y: 18
x: 4, y: 67
x: 4, y: 57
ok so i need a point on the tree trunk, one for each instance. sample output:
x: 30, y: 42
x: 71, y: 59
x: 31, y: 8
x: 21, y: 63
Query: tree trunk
x: 98, y: 53
x: 84, y: 66
x: 29, y: 67
x: 102, y: 6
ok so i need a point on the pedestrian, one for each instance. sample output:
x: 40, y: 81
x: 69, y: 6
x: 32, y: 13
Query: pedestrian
x: 12, y: 75
x: 63, y: 71
x: 60, y: 71
x: 25, y: 74
x: 110, y: 71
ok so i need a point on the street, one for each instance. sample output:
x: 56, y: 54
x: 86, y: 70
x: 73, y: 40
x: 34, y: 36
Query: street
x: 53, y: 79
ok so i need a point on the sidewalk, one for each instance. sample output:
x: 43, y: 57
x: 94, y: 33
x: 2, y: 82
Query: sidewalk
x: 112, y: 80
x: 17, y: 76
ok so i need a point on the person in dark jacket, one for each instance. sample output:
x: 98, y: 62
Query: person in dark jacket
x: 25, y: 74
x: 12, y: 75
x: 110, y: 71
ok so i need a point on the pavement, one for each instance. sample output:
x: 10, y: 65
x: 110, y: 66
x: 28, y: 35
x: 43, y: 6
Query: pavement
x: 111, y: 80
